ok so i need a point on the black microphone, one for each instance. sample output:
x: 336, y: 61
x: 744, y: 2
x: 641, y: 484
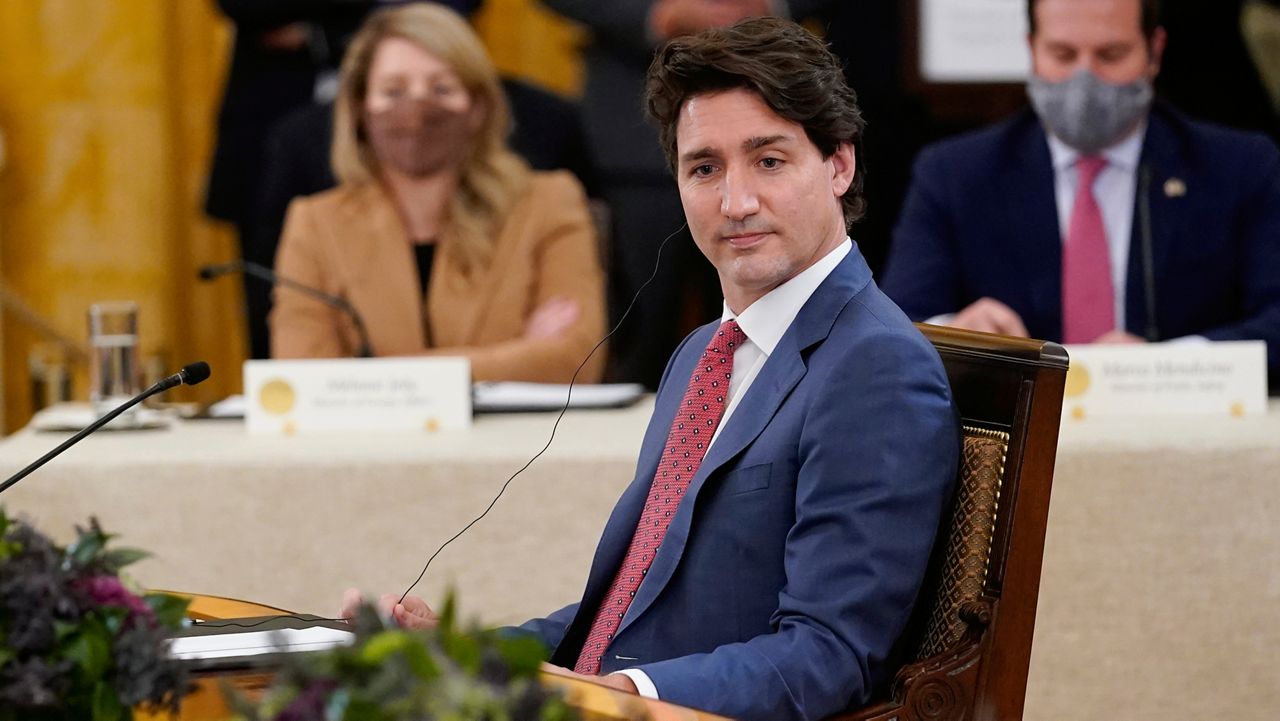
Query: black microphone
x: 191, y: 374
x: 265, y: 274
x: 1152, y: 331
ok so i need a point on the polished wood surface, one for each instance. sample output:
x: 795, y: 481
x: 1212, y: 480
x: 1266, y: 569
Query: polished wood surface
x: 1014, y: 386
x: 202, y: 607
x: 206, y: 703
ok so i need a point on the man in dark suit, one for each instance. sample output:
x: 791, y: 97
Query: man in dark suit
x: 1122, y: 222
x: 767, y: 556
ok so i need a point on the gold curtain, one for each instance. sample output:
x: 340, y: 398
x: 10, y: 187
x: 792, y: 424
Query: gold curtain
x: 108, y: 110
x: 532, y: 43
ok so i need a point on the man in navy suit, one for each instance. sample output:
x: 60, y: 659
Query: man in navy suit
x: 1185, y: 217
x: 767, y: 556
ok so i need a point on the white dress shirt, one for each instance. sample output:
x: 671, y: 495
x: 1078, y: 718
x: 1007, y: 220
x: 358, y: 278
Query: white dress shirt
x: 764, y: 322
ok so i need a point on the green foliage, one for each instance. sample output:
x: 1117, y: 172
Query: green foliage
x: 75, y: 641
x: 390, y: 674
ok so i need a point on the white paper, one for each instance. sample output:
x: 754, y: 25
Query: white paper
x: 974, y: 41
x: 506, y: 396
x: 253, y: 643
x: 229, y: 407
x: 70, y: 417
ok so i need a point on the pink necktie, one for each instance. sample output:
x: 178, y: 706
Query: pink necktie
x: 1088, y: 299
x: 691, y: 431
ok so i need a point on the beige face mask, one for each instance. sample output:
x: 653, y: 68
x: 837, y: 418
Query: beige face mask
x: 418, y: 137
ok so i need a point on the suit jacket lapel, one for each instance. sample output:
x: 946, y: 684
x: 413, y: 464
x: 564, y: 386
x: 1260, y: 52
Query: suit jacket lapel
x: 621, y: 525
x: 384, y: 283
x: 1166, y: 181
x: 1032, y: 214
x: 779, y: 376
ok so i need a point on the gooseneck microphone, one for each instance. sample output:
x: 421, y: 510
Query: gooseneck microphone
x: 190, y: 374
x: 267, y: 275
x: 1152, y: 331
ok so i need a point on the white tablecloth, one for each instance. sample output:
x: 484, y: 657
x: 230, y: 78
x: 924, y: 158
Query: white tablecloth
x: 1161, y: 589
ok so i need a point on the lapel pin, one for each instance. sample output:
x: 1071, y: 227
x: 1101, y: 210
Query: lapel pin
x: 1174, y: 188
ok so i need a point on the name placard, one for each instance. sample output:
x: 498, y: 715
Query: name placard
x: 1223, y: 379
x: 357, y: 395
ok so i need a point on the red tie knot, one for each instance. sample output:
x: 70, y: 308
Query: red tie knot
x: 728, y: 338
x: 1089, y: 167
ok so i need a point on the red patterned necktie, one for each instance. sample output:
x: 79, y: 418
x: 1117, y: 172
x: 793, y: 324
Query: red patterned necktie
x: 691, y: 431
x: 1088, y: 300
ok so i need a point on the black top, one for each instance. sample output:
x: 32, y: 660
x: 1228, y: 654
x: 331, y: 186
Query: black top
x: 425, y: 253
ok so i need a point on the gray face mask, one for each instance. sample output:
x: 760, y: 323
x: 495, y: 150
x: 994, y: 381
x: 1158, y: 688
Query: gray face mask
x: 1088, y: 113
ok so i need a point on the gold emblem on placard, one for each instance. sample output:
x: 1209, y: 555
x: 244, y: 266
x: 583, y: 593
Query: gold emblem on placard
x: 1174, y: 188
x: 433, y: 424
x: 1237, y: 410
x: 276, y: 397
x: 1078, y: 380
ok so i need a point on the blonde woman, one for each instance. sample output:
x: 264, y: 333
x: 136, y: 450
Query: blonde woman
x: 438, y: 234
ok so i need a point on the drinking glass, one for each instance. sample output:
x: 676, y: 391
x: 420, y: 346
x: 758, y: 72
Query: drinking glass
x: 113, y: 355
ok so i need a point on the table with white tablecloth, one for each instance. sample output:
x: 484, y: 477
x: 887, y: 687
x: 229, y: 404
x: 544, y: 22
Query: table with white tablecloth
x: 1160, y: 596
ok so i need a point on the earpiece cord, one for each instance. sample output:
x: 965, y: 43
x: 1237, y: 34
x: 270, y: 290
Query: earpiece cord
x: 567, y: 401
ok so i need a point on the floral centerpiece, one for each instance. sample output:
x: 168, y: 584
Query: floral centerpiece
x: 390, y: 674
x: 75, y: 641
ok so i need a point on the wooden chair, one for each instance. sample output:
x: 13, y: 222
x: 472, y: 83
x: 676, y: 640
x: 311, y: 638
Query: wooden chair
x: 968, y: 645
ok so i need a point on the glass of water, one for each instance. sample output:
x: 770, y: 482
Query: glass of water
x: 113, y: 356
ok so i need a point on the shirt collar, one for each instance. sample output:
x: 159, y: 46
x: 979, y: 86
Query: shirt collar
x: 767, y: 319
x: 1123, y: 154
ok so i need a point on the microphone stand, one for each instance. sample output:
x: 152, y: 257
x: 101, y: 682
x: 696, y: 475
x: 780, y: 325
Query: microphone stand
x: 267, y: 275
x: 158, y: 387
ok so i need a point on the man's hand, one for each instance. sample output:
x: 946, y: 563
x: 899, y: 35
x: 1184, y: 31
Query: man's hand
x: 670, y: 18
x: 1119, y: 337
x: 989, y: 315
x: 413, y: 613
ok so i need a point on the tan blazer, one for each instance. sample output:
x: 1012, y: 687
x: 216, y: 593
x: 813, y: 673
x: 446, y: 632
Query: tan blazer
x: 350, y: 242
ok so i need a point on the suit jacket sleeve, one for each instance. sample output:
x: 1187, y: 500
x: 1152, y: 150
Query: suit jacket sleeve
x: 618, y: 22
x: 922, y: 274
x: 568, y: 265
x: 550, y: 629
x: 1259, y: 226
x: 302, y: 327
x: 877, y: 463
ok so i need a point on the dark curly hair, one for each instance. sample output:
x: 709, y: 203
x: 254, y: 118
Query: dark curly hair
x: 789, y: 68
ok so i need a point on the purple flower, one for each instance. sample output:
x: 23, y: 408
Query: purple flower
x: 108, y: 591
x: 308, y: 705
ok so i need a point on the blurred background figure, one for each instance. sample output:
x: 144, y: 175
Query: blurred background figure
x: 547, y: 134
x: 1260, y: 23
x: 1095, y: 216
x: 439, y: 235
x: 871, y: 38
x: 633, y: 178
x: 1208, y: 71
x: 286, y: 55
